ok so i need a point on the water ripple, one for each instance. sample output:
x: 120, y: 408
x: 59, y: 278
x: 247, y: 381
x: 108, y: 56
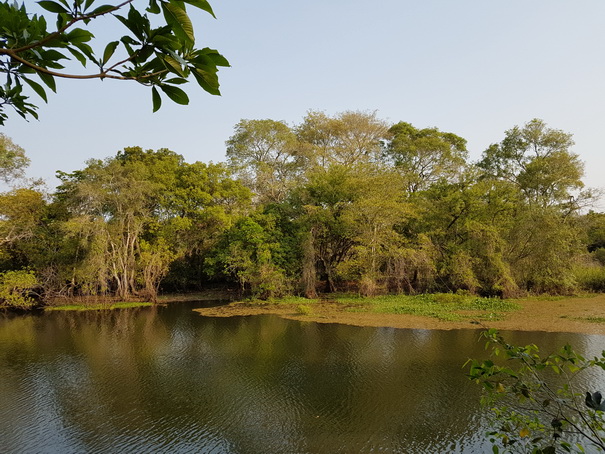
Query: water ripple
x: 169, y: 381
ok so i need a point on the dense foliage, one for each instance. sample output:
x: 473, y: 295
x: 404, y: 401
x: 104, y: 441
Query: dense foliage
x: 538, y: 405
x: 343, y: 202
x: 157, y: 49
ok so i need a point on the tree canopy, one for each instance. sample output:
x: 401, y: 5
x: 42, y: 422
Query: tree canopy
x: 341, y: 202
x: 158, y: 49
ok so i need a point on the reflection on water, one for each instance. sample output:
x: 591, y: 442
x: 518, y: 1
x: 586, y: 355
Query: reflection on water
x: 168, y: 380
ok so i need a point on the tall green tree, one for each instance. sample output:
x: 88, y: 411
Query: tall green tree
x: 13, y: 160
x: 138, y: 213
x: 247, y: 253
x: 265, y: 156
x: 538, y: 159
x: 347, y: 139
x: 324, y: 200
x: 381, y: 205
x: 543, y: 239
x: 424, y: 156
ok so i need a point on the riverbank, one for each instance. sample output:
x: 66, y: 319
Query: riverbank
x: 111, y: 303
x: 553, y: 314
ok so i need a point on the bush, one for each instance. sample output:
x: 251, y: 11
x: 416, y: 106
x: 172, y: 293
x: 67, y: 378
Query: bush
x: 536, y: 405
x: 15, y: 288
x: 599, y: 255
x: 450, y: 298
x: 590, y: 278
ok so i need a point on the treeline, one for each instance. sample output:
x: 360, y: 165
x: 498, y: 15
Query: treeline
x: 345, y: 202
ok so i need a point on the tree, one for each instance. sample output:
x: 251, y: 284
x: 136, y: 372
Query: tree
x: 346, y: 139
x: 543, y: 238
x: 129, y: 218
x: 246, y: 252
x: 373, y: 215
x: 264, y: 155
x: 325, y: 199
x: 538, y: 160
x: 537, y: 405
x: 466, y: 221
x: 161, y: 57
x: 425, y: 155
x: 12, y: 159
x: 15, y: 288
x: 113, y: 203
x: 21, y: 211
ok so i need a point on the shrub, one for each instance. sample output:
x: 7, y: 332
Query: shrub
x: 599, y: 255
x: 15, y: 288
x: 536, y: 404
x: 590, y: 278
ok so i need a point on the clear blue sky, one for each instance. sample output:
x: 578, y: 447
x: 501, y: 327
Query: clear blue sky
x: 475, y: 68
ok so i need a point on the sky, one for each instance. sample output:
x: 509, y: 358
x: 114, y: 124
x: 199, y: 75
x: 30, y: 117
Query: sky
x: 475, y: 68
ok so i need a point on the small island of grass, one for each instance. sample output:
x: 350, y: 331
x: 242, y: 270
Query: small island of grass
x: 582, y: 314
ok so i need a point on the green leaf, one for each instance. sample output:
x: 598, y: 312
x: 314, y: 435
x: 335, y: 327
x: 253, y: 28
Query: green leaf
x: 103, y: 9
x: 87, y: 4
x: 178, y: 19
x: 201, y: 4
x: 78, y: 35
x: 54, y: 55
x: 172, y: 63
x: 63, y: 19
x: 86, y: 50
x: 37, y: 88
x: 52, y: 7
x: 48, y: 80
x: 157, y: 100
x: 176, y: 81
x: 81, y: 58
x: 143, y: 54
x: 109, y: 50
x: 176, y: 94
x: 153, y: 8
x: 216, y: 57
x: 202, y: 82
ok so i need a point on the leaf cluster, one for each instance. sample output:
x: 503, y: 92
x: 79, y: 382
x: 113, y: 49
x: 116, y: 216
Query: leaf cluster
x: 162, y: 57
x: 537, y: 405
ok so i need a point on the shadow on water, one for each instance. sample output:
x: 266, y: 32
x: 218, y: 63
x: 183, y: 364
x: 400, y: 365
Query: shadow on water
x: 164, y: 379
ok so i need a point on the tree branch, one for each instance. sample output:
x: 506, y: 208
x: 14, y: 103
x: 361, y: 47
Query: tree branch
x: 65, y: 27
x: 101, y: 75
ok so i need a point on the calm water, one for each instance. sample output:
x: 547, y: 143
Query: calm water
x: 168, y: 380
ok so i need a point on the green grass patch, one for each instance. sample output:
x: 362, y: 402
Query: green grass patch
x: 443, y: 306
x: 286, y: 300
x: 304, y: 309
x: 97, y: 307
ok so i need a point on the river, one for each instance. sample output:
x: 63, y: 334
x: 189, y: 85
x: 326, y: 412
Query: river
x: 167, y: 380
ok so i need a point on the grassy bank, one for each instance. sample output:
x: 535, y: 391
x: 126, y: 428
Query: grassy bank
x: 584, y: 314
x: 442, y: 306
x: 97, y: 307
x: 96, y: 304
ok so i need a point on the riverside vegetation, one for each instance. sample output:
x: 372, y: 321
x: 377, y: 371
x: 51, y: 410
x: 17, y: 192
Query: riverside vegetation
x: 535, y: 399
x: 336, y: 203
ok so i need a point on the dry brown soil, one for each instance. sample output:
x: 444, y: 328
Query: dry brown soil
x: 563, y: 315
